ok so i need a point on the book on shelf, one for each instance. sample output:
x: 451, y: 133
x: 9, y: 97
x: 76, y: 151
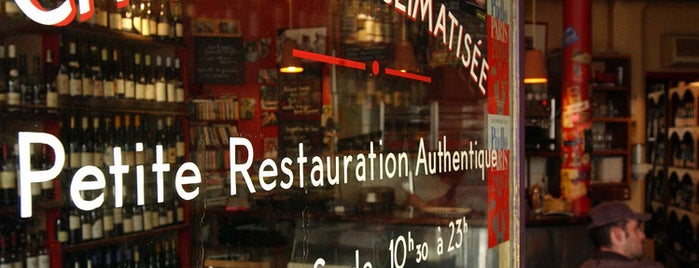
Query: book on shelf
x: 222, y: 108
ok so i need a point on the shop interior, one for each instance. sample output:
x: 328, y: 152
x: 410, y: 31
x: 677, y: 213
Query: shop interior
x: 206, y: 70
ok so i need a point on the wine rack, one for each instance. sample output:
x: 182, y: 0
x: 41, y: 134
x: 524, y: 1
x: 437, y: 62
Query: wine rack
x: 40, y: 106
x: 672, y: 137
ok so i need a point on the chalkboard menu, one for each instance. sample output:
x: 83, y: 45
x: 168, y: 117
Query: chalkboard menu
x: 219, y: 60
x: 300, y: 107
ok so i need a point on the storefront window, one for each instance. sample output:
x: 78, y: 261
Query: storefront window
x: 307, y: 133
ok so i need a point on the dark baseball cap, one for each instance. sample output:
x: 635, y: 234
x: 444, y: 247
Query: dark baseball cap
x: 612, y: 212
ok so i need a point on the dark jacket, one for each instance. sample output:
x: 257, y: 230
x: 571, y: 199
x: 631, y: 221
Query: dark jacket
x: 611, y: 259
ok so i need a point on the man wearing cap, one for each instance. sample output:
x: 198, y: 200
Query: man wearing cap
x: 616, y: 233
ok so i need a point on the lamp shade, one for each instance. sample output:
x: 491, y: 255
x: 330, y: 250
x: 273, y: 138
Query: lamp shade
x: 405, y: 57
x: 289, y: 63
x: 534, y: 67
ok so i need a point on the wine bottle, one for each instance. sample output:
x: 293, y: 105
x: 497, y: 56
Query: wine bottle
x: 87, y: 144
x: 14, y: 93
x: 179, y: 89
x: 163, y: 20
x: 74, y: 226
x: 97, y: 228
x: 145, y: 10
x: 155, y: 217
x: 3, y: 76
x: 119, y: 76
x: 75, y: 154
x: 50, y: 86
x: 101, y: 14
x: 139, y: 137
x: 127, y: 146
x: 8, y: 177
x: 98, y: 87
x: 127, y: 19
x: 63, y: 74
x: 176, y: 23
x: 108, y: 74
x: 139, y: 77
x: 86, y: 221
x: 35, y: 165
x: 62, y: 228
x: 44, y: 255
x: 160, y: 81
x: 16, y: 252
x: 47, y: 189
x: 86, y: 63
x: 171, y: 82
x: 75, y: 79
x: 136, y: 16
x: 170, y: 144
x: 137, y: 217
x: 11, y: 8
x: 179, y: 143
x: 117, y: 211
x: 31, y: 252
x: 150, y: 78
x: 148, y: 223
x: 114, y: 15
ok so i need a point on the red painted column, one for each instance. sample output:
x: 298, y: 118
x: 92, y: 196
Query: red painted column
x: 576, y: 122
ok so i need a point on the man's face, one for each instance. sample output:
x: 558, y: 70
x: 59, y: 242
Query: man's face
x: 631, y: 243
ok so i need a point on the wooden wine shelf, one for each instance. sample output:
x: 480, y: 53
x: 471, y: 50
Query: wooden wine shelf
x: 69, y: 104
x: 89, y: 245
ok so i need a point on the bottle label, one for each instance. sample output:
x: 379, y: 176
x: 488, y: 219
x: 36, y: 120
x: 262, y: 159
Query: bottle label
x: 75, y: 86
x: 137, y: 223
x: 109, y: 156
x: 137, y: 24
x: 109, y: 88
x: 179, y: 30
x: 129, y: 89
x: 14, y: 98
x: 163, y: 29
x: 108, y: 223
x: 140, y: 157
x: 115, y: 21
x: 87, y: 85
x: 46, y: 185
x: 63, y: 84
x: 118, y: 216
x: 152, y: 26
x: 154, y: 219
x: 160, y: 92
x: 170, y: 217
x: 98, y: 88
x: 180, y: 94
x: 171, y: 92
x: 162, y: 220
x: 145, y: 27
x: 86, y: 231
x: 97, y: 229
x: 147, y: 220
x: 140, y: 91
x: 129, y: 157
x: 149, y: 92
x: 31, y: 262
x: 98, y: 159
x: 11, y: 8
x: 62, y: 236
x: 126, y: 24
x: 36, y: 189
x: 102, y: 17
x: 120, y: 87
x: 44, y: 261
x: 3, y: 97
x: 180, y: 214
x: 6, y: 265
x: 73, y: 222
x: 75, y: 159
x: 51, y: 99
x: 8, y: 179
x: 87, y: 158
x: 180, y: 148
x: 128, y: 225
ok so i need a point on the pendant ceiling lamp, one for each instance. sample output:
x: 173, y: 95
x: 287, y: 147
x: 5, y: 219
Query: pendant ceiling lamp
x: 405, y: 55
x: 289, y: 63
x: 534, y: 61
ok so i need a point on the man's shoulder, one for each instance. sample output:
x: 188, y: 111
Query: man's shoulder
x: 600, y: 263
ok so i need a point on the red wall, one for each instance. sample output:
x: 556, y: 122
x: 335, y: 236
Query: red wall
x: 258, y: 19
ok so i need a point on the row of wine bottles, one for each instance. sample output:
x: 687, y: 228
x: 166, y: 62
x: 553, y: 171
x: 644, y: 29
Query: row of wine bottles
x: 21, y: 246
x: 158, y: 253
x: 160, y: 19
x: 90, y: 141
x: 95, y: 72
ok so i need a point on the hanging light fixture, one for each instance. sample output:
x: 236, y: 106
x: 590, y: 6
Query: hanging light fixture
x: 534, y: 61
x: 404, y: 60
x: 289, y: 63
